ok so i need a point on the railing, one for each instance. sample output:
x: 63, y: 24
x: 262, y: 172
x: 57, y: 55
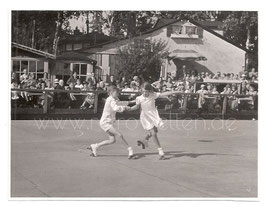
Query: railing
x: 182, y: 102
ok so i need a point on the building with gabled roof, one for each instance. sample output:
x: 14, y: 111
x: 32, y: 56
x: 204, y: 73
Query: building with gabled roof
x: 40, y: 63
x: 198, y: 45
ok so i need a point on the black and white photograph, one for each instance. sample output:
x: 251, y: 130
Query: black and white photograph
x: 133, y: 104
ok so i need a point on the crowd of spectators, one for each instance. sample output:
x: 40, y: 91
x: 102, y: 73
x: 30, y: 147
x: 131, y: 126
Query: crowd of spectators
x: 190, y: 82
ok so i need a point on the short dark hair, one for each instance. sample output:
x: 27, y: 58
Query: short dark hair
x: 147, y: 86
x: 111, y: 89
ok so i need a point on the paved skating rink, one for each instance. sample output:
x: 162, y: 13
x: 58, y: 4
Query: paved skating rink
x: 205, y: 158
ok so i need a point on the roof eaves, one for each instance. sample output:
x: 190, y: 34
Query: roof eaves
x: 33, y: 50
x: 167, y: 24
x: 218, y: 35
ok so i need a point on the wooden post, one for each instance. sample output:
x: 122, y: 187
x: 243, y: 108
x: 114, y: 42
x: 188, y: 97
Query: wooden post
x: 45, y: 102
x: 224, y: 105
x: 184, y: 107
x: 96, y: 103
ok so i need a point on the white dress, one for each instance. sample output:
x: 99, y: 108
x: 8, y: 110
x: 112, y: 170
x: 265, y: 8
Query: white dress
x: 149, y: 116
x: 111, y: 107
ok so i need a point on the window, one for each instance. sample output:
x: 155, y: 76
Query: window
x: 24, y: 65
x: 141, y: 43
x: 32, y: 66
x: 191, y: 30
x: 81, y: 70
x: 16, y: 66
x: 182, y: 31
x: 77, y: 46
x: 35, y: 67
x: 177, y: 29
x: 69, y: 47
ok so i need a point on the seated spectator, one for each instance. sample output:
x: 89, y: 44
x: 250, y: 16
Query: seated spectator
x: 136, y: 81
x: 217, y: 76
x: 93, y: 80
x: 78, y: 85
x: 223, y: 76
x: 199, y: 78
x: 89, y: 99
x: 31, y: 83
x: 118, y: 85
x: 250, y: 101
x: 254, y: 79
x: 180, y: 87
x: 232, y: 100
x: 72, y: 95
x: 14, y: 78
x: 101, y: 86
x: 134, y: 86
x: 236, y: 77
x: 193, y: 79
x: 24, y: 78
x: 72, y: 79
x: 252, y: 73
x: 123, y: 82
x: 61, y: 99
x: 169, y: 84
x: 158, y: 84
x: 214, y: 90
x: 201, y: 93
x: 127, y: 88
x: 209, y: 88
x: 112, y: 81
x: 14, y: 94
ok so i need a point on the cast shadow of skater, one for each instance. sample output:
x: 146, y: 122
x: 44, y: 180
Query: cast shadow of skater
x: 178, y: 154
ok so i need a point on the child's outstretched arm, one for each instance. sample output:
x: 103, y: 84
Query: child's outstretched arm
x: 135, y: 107
x: 132, y: 101
x: 116, y: 107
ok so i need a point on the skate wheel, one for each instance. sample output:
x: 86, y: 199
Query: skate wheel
x: 92, y: 155
x: 132, y: 157
x: 140, y: 143
x: 162, y: 158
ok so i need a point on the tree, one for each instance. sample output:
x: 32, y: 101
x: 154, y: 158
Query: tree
x: 144, y: 61
x: 242, y: 28
x: 40, y: 29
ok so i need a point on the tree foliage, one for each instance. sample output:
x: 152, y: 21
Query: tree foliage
x: 143, y: 61
x: 38, y: 29
x: 43, y: 29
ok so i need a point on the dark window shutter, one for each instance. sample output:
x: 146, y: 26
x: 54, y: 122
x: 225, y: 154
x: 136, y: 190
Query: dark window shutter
x: 169, y: 31
x: 200, y: 32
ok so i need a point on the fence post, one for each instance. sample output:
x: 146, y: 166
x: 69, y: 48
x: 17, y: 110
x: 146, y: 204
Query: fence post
x: 45, y: 102
x: 184, y: 107
x: 224, y: 105
x: 95, y: 110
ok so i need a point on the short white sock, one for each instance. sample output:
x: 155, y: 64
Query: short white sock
x: 160, y: 151
x: 130, y: 150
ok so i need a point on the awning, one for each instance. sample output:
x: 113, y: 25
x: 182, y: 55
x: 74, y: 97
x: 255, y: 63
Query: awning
x: 188, y: 55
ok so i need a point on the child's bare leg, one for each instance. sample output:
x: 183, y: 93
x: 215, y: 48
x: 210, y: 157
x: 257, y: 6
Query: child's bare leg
x: 149, y: 135
x: 107, y: 142
x: 153, y: 133
x: 117, y: 134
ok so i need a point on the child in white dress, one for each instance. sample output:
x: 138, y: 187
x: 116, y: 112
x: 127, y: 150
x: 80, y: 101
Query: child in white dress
x: 149, y: 116
x: 107, y: 120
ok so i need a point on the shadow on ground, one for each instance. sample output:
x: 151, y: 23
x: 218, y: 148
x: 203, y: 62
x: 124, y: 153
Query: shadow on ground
x: 171, y: 154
